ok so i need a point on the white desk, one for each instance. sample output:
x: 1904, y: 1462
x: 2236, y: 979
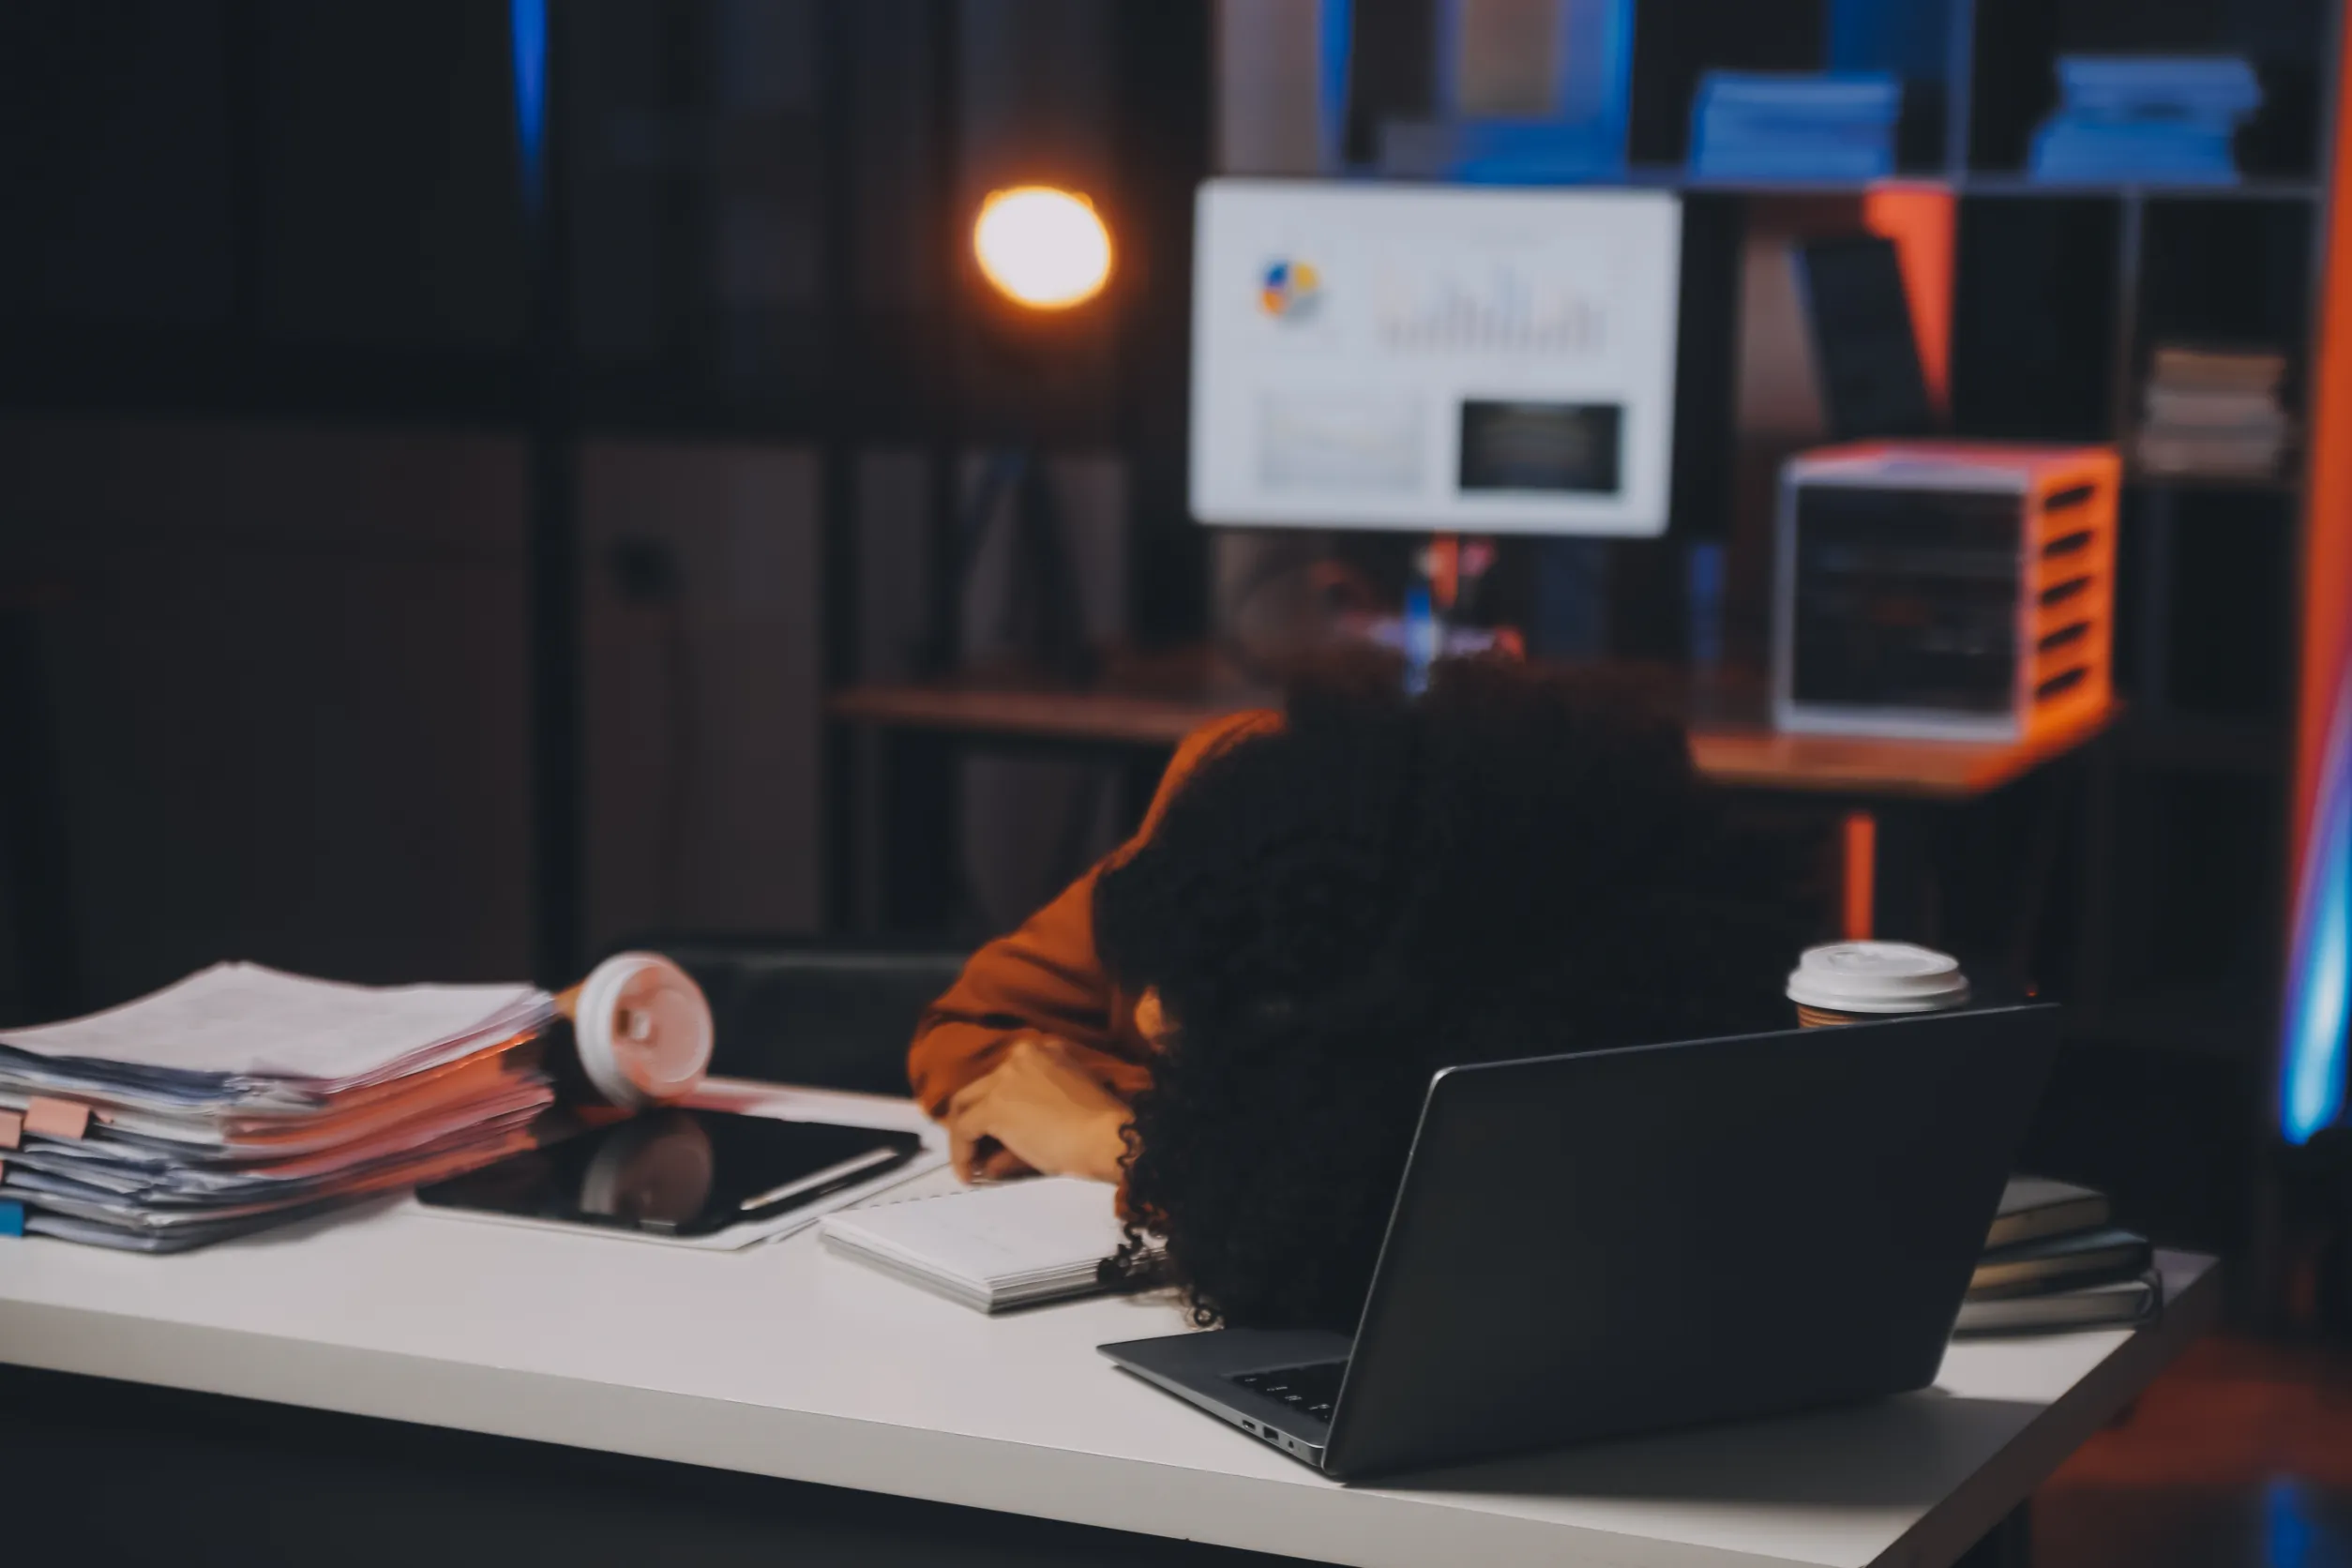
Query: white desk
x: 788, y: 1361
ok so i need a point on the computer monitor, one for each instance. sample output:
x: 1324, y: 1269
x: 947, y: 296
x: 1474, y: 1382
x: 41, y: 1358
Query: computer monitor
x: 1454, y: 359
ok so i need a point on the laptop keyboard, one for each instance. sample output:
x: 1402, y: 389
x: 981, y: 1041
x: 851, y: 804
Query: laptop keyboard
x: 1310, y: 1390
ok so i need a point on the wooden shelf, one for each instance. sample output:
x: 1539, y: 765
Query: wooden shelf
x: 2288, y: 484
x: 2259, y: 189
x: 1988, y: 183
x: 1744, y: 755
x: 1108, y: 717
x: 1866, y: 765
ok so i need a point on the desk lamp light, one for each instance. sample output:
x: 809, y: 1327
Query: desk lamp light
x: 1042, y: 248
x: 1046, y: 257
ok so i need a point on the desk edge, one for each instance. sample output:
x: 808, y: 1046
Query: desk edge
x: 1299, y: 1517
x: 1946, y: 1532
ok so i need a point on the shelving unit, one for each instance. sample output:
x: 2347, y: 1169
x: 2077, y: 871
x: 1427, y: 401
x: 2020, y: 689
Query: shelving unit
x: 2181, y: 847
x: 2060, y: 293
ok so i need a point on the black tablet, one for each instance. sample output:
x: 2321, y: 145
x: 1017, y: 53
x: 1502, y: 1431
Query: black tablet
x: 678, y: 1173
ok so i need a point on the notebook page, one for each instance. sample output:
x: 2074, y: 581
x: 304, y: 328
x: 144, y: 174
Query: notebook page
x: 993, y: 1235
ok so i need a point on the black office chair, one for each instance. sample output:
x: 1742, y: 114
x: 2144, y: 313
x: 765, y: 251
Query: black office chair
x: 34, y: 874
x: 833, y: 1015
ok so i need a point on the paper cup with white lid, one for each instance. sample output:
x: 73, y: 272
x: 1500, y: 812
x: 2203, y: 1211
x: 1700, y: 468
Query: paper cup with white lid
x: 642, y: 1029
x: 1852, y: 982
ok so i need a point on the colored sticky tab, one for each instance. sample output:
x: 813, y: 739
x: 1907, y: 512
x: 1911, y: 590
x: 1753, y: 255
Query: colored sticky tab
x: 56, y: 1118
x: 11, y: 1128
x: 11, y: 1219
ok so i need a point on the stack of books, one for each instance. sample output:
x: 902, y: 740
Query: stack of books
x: 1770, y: 127
x: 241, y: 1097
x: 2213, y: 412
x: 2147, y: 119
x: 2056, y: 1260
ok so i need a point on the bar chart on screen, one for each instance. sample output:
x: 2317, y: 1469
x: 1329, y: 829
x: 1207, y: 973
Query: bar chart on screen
x: 1507, y: 309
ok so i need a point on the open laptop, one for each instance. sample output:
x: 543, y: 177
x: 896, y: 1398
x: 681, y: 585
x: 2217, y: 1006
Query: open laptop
x: 1629, y: 1240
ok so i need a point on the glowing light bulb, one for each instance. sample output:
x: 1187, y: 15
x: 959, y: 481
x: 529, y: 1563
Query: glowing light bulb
x: 1042, y: 248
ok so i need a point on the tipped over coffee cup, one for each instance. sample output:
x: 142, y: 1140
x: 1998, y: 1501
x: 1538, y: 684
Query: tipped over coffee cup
x: 1855, y: 982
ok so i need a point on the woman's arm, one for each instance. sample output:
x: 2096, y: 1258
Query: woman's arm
x: 1044, y: 981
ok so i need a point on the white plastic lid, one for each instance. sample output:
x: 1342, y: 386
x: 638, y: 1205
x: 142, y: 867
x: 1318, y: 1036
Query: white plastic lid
x: 1878, y: 977
x: 644, y: 1030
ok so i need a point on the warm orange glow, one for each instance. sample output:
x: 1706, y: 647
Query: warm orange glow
x: 1042, y: 248
x: 1861, y: 874
x: 2327, y: 566
x: 2312, y: 1046
x: 1445, y: 571
x: 1921, y: 221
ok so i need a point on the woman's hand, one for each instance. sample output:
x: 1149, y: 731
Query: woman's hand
x: 1041, y: 1111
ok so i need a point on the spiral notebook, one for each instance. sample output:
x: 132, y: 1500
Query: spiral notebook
x: 991, y: 1248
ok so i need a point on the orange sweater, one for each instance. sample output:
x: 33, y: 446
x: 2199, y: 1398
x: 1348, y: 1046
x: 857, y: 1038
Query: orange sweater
x: 1044, y: 978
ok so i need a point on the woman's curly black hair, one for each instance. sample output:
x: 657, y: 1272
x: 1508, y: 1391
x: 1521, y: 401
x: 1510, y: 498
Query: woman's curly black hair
x: 1515, y: 863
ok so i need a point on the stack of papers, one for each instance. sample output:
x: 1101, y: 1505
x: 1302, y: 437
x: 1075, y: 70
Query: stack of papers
x: 242, y: 1097
x: 992, y: 1247
x: 2214, y: 412
x: 2147, y: 119
x: 1768, y: 127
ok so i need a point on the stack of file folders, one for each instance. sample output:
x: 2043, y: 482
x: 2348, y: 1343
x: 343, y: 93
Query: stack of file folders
x: 1770, y: 127
x: 241, y: 1097
x: 2147, y: 119
x: 2054, y: 1260
x: 2214, y: 412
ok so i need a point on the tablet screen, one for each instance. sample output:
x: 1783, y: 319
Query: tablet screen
x: 678, y: 1173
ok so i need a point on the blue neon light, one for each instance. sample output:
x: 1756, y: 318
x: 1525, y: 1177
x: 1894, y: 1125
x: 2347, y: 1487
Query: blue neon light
x: 1906, y: 37
x: 1610, y: 115
x: 1423, y: 638
x: 527, y: 20
x: 1337, y: 43
x: 2320, y: 972
x: 2287, y: 1531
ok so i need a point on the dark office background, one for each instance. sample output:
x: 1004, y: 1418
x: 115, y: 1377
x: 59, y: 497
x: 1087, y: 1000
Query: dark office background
x: 275, y: 380
x: 286, y: 357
